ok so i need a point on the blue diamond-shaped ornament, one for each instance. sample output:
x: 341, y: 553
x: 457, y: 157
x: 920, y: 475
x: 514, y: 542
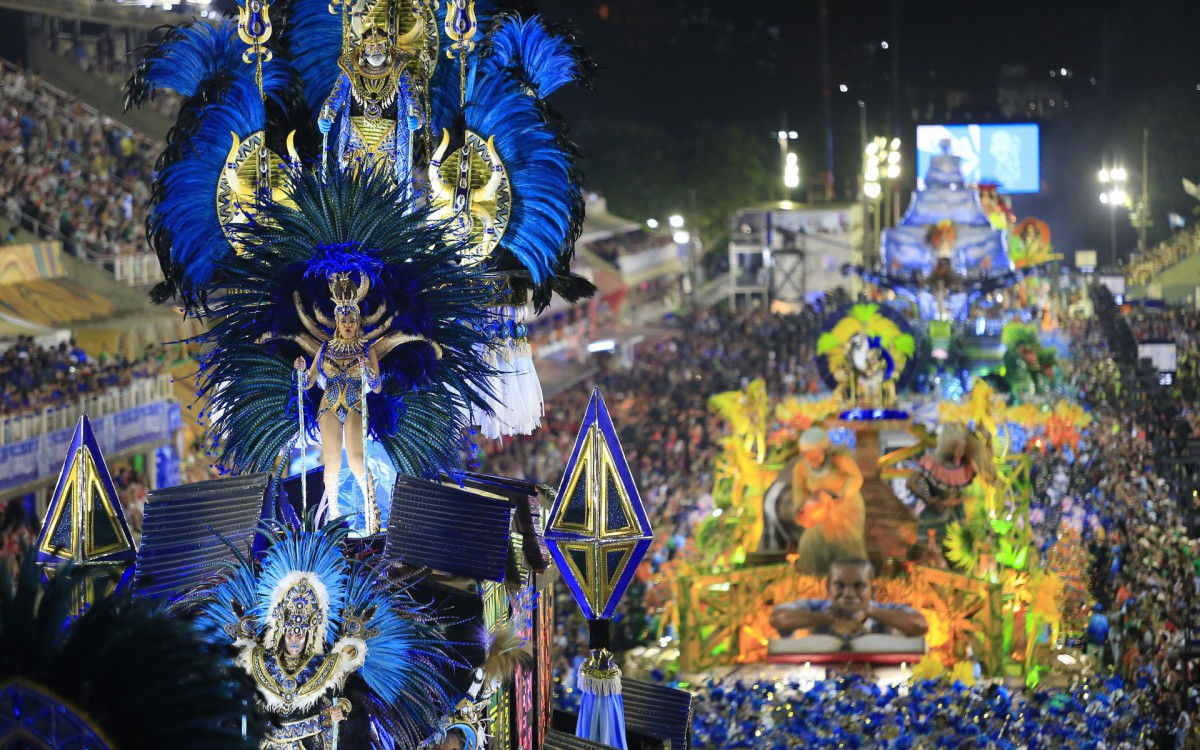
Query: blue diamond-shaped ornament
x: 598, y: 531
x: 85, y: 522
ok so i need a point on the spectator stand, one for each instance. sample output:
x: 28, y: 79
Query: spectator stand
x: 563, y: 331
x: 48, y: 378
x: 651, y: 264
x: 74, y: 175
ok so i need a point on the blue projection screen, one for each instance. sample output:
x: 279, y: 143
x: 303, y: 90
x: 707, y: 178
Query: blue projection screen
x: 1006, y: 154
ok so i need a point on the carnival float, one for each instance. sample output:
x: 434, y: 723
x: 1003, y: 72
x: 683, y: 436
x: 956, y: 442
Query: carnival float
x: 913, y: 469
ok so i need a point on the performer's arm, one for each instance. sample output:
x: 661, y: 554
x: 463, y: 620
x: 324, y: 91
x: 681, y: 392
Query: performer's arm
x: 919, y: 486
x: 799, y: 489
x: 854, y: 478
x: 334, y: 103
x: 799, y: 616
x: 372, y: 365
x: 412, y: 106
x: 908, y: 621
x: 308, y: 372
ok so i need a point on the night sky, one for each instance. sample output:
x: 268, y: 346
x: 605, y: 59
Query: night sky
x: 757, y: 64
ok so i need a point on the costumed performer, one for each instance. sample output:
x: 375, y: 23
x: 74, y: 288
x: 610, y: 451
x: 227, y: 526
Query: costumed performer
x: 849, y: 619
x: 339, y: 658
x: 345, y: 241
x: 943, y: 473
x: 826, y: 490
x: 377, y: 97
x: 339, y: 369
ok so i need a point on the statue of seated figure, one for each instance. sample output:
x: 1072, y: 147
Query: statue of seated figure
x: 849, y: 620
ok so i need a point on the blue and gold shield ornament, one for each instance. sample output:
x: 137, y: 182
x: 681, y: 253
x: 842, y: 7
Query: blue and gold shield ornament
x: 85, y: 524
x: 598, y: 534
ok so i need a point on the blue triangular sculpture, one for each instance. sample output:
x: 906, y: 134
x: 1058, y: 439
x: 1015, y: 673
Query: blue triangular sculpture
x: 85, y: 522
x: 598, y: 530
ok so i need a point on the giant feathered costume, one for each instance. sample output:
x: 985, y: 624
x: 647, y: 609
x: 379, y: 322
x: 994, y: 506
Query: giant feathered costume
x: 276, y: 305
x: 333, y: 649
x: 503, y: 203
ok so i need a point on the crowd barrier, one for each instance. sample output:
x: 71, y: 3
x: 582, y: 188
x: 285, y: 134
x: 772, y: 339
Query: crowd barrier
x: 24, y: 427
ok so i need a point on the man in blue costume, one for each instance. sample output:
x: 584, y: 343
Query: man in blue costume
x: 377, y: 98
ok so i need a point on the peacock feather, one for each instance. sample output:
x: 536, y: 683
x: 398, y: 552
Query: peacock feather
x: 247, y: 373
x: 222, y: 100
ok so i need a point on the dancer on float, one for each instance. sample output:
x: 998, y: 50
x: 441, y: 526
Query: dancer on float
x: 340, y: 368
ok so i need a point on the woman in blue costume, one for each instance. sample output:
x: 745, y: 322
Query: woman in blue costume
x: 339, y: 369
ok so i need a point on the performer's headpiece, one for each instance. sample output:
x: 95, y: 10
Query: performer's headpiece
x: 299, y: 606
x: 814, y: 439
x: 346, y: 294
x: 471, y: 719
x: 374, y: 37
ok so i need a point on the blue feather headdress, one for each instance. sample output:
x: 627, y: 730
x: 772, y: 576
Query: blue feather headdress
x: 222, y: 98
x: 261, y: 325
x: 404, y: 686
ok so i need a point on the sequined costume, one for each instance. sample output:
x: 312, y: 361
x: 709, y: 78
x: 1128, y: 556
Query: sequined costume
x: 379, y: 114
x: 302, y: 694
x: 339, y: 374
x: 328, y: 644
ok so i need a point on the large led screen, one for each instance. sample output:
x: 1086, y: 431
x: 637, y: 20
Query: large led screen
x: 1006, y: 154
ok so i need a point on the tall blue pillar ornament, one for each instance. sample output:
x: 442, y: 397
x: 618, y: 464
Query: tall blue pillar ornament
x: 598, y: 534
x: 84, y: 522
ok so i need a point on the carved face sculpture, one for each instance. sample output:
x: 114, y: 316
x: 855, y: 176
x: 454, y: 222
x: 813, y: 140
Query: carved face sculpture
x: 814, y: 445
x: 859, y: 349
x: 952, y: 444
x: 850, y: 585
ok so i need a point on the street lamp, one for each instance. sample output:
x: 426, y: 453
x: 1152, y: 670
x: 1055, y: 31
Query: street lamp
x: 791, y: 172
x: 1113, y: 180
x: 687, y: 249
x: 881, y: 161
x: 652, y: 223
x: 783, y: 136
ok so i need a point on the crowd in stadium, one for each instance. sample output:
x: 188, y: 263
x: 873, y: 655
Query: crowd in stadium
x: 68, y: 173
x: 1139, y: 481
x: 34, y: 377
x: 626, y: 243
x: 1181, y: 246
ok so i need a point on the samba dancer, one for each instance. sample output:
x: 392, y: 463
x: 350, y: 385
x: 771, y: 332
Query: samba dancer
x: 340, y: 367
